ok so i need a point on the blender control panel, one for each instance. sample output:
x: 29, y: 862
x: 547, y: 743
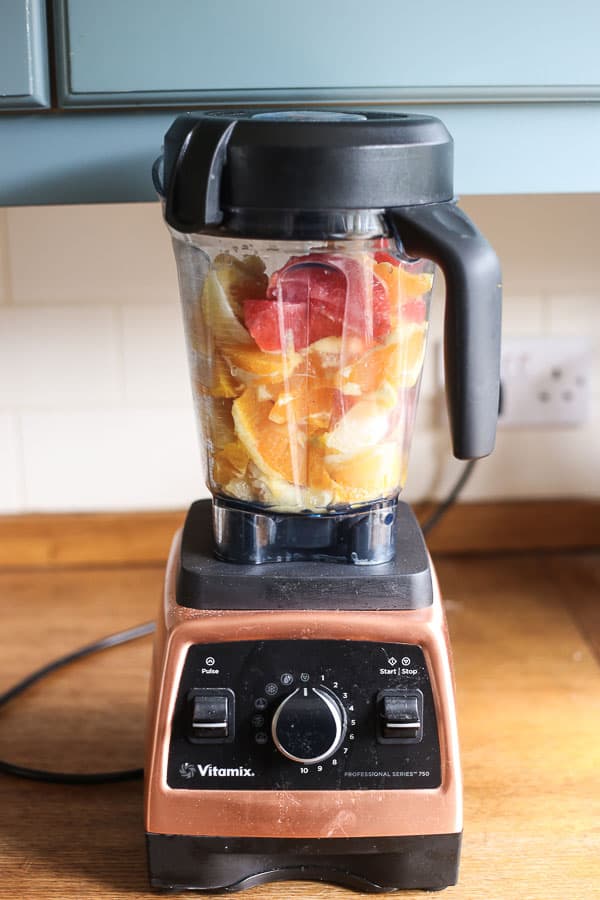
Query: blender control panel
x: 304, y: 714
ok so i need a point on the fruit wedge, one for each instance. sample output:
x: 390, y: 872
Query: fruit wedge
x: 398, y: 361
x: 219, y: 317
x: 278, y: 450
x: 307, y: 400
x: 371, y: 472
x: 250, y: 362
x: 223, y: 382
x: 365, y: 424
x: 240, y: 278
x: 401, y: 283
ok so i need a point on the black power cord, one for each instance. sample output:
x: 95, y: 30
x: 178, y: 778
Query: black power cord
x: 443, y: 507
x: 113, y: 640
x: 132, y: 634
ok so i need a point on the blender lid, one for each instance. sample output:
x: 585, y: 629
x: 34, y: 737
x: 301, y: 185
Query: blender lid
x: 301, y: 160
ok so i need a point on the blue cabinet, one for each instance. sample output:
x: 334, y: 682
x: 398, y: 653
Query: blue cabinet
x: 517, y: 83
x: 24, y: 80
x: 185, y: 52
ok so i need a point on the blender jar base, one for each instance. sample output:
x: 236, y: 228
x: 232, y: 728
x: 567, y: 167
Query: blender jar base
x: 361, y: 537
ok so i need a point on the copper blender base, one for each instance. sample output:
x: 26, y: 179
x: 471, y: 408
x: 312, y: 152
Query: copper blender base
x: 372, y: 840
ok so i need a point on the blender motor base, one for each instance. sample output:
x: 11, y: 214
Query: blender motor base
x: 375, y: 865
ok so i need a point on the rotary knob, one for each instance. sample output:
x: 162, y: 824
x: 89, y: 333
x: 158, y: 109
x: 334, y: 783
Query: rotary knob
x: 309, y: 725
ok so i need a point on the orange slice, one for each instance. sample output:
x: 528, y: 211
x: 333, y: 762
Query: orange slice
x: 401, y: 283
x: 277, y: 449
x: 257, y: 363
x: 398, y: 361
x: 223, y: 382
x: 368, y: 474
x: 307, y: 400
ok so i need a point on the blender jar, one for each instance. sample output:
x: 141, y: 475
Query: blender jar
x: 305, y: 244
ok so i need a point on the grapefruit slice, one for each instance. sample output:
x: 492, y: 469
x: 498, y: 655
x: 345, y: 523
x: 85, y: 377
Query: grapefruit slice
x: 317, y: 296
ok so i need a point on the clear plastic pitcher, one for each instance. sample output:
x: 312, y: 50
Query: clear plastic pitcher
x: 305, y: 246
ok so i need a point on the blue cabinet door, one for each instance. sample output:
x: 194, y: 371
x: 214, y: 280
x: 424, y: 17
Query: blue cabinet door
x: 186, y: 52
x: 23, y: 55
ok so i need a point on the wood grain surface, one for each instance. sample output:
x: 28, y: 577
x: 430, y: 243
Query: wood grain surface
x: 529, y: 706
x: 81, y: 539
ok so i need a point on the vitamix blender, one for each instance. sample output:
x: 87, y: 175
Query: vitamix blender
x: 302, y: 706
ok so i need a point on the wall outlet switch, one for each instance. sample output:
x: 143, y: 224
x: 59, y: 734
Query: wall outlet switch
x: 545, y: 381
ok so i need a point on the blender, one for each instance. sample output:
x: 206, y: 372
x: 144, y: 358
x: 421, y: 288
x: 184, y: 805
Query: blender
x: 302, y: 715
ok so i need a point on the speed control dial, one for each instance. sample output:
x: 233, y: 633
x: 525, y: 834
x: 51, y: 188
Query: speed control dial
x: 309, y: 725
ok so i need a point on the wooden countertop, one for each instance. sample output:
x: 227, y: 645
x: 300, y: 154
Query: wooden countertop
x: 523, y: 628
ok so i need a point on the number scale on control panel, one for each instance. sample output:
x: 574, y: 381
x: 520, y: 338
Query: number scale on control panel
x: 304, y: 714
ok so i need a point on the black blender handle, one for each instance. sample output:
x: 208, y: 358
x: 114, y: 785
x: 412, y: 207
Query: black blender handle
x: 443, y: 233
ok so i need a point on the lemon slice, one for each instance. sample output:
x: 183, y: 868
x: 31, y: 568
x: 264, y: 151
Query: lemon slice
x: 219, y: 317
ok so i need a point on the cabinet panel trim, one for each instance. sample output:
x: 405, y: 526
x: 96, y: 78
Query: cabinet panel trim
x: 36, y: 44
x: 407, y: 94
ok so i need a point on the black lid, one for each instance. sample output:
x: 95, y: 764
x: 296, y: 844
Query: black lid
x: 301, y: 160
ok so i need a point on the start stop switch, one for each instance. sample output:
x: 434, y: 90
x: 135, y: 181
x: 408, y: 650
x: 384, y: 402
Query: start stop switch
x: 399, y: 716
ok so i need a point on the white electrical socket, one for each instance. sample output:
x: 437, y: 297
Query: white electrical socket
x: 545, y: 381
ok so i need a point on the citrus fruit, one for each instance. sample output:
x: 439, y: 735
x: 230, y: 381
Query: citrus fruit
x: 307, y: 399
x: 327, y: 356
x: 319, y: 296
x: 250, y: 361
x: 370, y: 473
x: 398, y: 361
x: 219, y: 318
x: 277, y: 449
x: 240, y: 278
x: 414, y: 311
x: 223, y: 384
x: 366, y: 475
x: 401, y: 283
x: 365, y: 424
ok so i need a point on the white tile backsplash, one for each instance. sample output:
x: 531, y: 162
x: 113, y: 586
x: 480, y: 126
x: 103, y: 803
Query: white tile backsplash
x: 155, y: 370
x: 524, y: 315
x: 528, y: 463
x: 95, y: 403
x: 58, y: 356
x: 111, y: 459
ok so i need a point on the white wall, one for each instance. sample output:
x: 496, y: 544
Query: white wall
x: 95, y: 407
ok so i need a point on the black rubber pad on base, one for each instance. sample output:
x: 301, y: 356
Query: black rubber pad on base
x: 375, y: 865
